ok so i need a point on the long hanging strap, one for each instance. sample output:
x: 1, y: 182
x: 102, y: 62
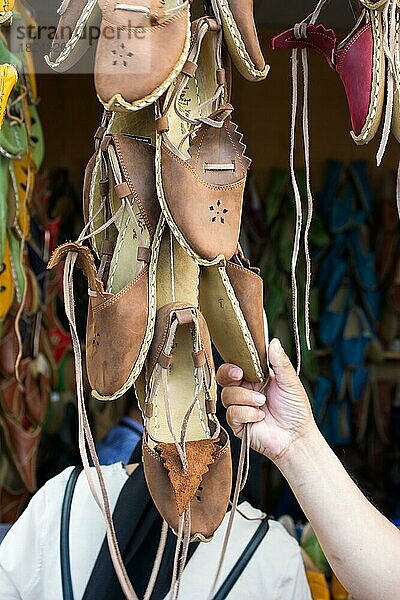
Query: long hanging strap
x: 241, y: 478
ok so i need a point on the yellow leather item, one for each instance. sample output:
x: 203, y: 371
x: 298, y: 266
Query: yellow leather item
x: 31, y: 77
x: 337, y: 590
x: 23, y: 184
x: 8, y: 79
x: 6, y: 5
x: 318, y: 585
x: 6, y: 283
x: 6, y: 8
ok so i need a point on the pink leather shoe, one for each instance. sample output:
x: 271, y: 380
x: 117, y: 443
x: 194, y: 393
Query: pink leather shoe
x: 359, y: 60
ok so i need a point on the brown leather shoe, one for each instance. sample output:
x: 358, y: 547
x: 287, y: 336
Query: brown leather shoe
x: 204, y: 211
x: 142, y: 48
x: 78, y: 18
x: 185, y: 453
x: 241, y: 37
x: 21, y: 420
x: 122, y: 293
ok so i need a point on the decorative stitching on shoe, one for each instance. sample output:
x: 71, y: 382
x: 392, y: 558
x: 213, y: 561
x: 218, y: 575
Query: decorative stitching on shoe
x: 242, y: 321
x: 117, y: 102
x: 80, y: 25
x: 376, y: 82
x: 150, y: 321
x: 111, y: 301
x: 241, y: 47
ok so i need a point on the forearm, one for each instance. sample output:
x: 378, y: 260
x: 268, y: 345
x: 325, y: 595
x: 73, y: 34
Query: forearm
x: 362, y: 547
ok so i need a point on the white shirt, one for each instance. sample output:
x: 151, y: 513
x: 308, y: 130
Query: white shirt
x: 30, y: 554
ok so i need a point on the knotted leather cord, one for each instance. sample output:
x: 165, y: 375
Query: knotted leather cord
x: 300, y: 31
x: 299, y: 215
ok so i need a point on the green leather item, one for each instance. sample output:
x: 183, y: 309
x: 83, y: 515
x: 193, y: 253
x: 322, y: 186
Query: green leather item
x: 36, y: 137
x: 13, y: 133
x: 17, y: 266
x: 14, y: 136
x: 3, y: 204
x: 6, y: 56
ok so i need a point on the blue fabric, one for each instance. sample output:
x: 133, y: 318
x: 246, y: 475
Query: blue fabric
x: 120, y: 442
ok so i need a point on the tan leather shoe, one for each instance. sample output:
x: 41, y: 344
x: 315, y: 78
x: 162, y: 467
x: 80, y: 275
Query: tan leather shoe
x: 204, y: 152
x: 241, y: 37
x: 78, y: 19
x: 185, y: 453
x: 231, y: 299
x: 122, y: 293
x: 142, y: 48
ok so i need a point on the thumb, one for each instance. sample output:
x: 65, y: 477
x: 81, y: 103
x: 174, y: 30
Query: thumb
x: 285, y: 375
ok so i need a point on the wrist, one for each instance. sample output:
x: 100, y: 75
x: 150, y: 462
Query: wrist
x: 301, y: 451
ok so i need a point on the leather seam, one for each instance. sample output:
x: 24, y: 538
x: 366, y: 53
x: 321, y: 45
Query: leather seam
x: 122, y: 293
x: 341, y: 54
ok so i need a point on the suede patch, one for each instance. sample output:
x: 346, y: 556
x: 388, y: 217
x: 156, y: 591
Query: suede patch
x: 200, y: 457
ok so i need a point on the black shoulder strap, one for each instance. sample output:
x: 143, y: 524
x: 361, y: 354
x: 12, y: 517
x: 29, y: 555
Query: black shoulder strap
x: 64, y: 534
x: 138, y: 526
x: 243, y: 561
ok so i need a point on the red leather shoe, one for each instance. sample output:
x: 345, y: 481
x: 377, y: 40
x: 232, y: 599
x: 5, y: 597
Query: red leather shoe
x: 359, y: 60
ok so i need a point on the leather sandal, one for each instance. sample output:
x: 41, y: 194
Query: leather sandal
x: 232, y: 298
x: 360, y: 57
x: 205, y: 153
x: 237, y: 17
x: 72, y: 38
x: 142, y: 48
x: 122, y: 292
x: 186, y: 454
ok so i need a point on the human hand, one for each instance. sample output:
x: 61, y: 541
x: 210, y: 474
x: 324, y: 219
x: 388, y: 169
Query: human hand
x: 277, y: 418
